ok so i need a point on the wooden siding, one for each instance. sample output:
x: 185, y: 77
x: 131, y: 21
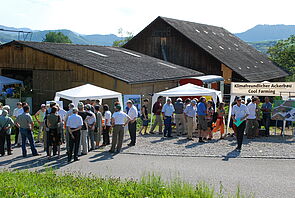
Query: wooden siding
x: 179, y: 49
x: 226, y: 74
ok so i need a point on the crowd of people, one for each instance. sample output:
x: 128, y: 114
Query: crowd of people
x: 88, y: 126
x: 82, y: 129
x: 201, y: 117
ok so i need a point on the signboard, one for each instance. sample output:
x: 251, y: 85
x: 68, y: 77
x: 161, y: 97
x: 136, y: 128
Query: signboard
x: 262, y: 89
x: 283, y: 110
x: 135, y: 98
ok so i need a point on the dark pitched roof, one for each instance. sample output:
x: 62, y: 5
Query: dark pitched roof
x: 126, y: 65
x: 229, y: 49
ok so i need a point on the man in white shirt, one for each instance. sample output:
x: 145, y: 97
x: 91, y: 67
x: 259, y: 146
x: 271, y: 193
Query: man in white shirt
x: 167, y: 111
x: 239, y: 114
x: 252, y: 123
x: 68, y: 114
x: 74, y: 124
x: 119, y: 120
x: 133, y: 114
x: 190, y: 113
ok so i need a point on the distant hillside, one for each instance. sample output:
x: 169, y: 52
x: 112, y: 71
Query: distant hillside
x: 267, y: 33
x: 262, y: 46
x: 95, y: 39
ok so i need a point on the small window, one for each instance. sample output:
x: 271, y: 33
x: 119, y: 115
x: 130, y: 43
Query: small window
x: 163, y: 40
x: 167, y: 65
x: 97, y: 53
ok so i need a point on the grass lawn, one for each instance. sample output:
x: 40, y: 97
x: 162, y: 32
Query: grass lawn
x: 49, y: 184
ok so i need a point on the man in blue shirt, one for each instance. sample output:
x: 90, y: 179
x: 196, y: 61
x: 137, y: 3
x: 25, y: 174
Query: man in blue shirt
x: 167, y: 111
x: 266, y: 109
x: 202, y: 111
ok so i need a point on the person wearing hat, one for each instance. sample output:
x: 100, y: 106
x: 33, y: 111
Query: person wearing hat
x: 5, y: 131
x: 91, y: 123
x: 202, y: 112
x: 84, y: 130
x: 167, y: 111
x: 240, y: 113
x: 133, y: 114
x: 74, y: 124
x: 179, y: 116
x: 40, y: 116
x: 119, y: 120
x: 68, y: 114
x: 190, y: 113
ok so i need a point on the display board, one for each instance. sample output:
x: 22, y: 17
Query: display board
x: 262, y: 89
x: 135, y: 98
x: 283, y: 110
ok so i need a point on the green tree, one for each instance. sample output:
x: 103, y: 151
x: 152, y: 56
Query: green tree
x: 120, y: 43
x: 56, y: 37
x: 283, y: 54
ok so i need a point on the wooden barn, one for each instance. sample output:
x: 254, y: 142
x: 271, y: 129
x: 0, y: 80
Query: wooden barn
x: 51, y: 67
x: 205, y: 48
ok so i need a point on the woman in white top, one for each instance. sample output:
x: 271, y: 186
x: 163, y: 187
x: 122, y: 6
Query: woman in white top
x: 107, y: 115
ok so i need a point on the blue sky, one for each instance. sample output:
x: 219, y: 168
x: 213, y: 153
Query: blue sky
x: 103, y: 17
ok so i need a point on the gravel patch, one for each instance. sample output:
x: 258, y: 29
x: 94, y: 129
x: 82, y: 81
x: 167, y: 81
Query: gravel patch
x: 263, y: 147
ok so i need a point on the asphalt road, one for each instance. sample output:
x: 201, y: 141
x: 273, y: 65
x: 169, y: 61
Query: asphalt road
x: 262, y: 177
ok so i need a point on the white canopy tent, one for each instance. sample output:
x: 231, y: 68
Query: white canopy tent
x: 87, y: 91
x: 8, y: 81
x: 188, y: 90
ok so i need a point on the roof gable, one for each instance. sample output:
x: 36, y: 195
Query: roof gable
x: 229, y: 50
x: 120, y: 63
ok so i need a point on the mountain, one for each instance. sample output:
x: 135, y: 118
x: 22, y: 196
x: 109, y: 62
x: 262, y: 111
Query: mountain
x: 94, y: 39
x: 98, y: 39
x: 262, y: 46
x: 267, y: 33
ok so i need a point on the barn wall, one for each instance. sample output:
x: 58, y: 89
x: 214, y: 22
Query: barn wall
x: 179, y: 49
